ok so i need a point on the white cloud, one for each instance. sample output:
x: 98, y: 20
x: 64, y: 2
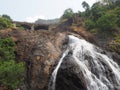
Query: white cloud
x: 34, y: 18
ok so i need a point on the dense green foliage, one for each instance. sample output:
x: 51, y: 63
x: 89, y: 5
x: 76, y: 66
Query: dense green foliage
x: 7, y: 17
x: 6, y: 49
x: 68, y: 13
x: 107, y: 22
x: 115, y: 44
x: 102, y: 19
x: 5, y: 22
x: 11, y: 73
x: 104, y: 16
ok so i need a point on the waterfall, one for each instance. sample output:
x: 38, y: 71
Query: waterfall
x: 99, y: 71
x: 54, y: 74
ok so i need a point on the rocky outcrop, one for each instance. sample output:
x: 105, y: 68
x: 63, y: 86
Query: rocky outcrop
x: 30, y: 26
x: 70, y: 75
x: 110, y: 44
x: 40, y: 50
x: 42, y: 57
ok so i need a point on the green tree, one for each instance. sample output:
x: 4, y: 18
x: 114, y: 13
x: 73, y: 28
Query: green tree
x: 103, y: 16
x: 6, y: 17
x: 117, y: 3
x: 108, y: 2
x: 6, y: 49
x: 85, y: 5
x: 5, y: 23
x: 97, y: 10
x: 117, y: 12
x: 107, y: 22
x: 68, y: 13
x: 87, y: 8
x: 11, y: 73
x: 89, y: 24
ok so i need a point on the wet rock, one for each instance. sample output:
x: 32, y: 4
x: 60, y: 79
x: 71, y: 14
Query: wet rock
x: 69, y: 76
x: 41, y: 50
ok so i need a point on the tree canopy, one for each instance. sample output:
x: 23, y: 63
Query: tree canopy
x: 5, y: 22
x: 68, y: 13
x: 103, y: 15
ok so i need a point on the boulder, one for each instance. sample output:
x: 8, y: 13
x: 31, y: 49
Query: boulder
x: 69, y: 76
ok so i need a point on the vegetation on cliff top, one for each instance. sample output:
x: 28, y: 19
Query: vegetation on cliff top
x: 101, y: 19
x: 102, y: 16
x: 5, y: 22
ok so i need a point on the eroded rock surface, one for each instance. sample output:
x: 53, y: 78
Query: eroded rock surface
x: 69, y: 76
x: 40, y: 50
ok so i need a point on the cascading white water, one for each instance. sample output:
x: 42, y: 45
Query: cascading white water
x: 100, y: 71
x: 54, y: 74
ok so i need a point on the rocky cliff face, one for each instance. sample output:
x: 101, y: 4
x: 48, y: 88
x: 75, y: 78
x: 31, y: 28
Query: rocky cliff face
x: 42, y: 56
x: 71, y: 76
x: 41, y: 50
x: 110, y: 44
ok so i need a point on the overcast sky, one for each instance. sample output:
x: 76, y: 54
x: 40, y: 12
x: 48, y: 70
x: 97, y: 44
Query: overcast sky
x: 31, y: 10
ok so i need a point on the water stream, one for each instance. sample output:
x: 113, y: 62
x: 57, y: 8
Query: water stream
x: 99, y: 71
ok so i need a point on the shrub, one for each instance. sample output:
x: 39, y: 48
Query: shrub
x: 6, y: 49
x: 5, y: 23
x: 11, y: 73
x: 117, y: 12
x: 107, y: 22
x: 89, y: 24
x: 68, y: 13
x: 6, y: 17
x: 115, y: 45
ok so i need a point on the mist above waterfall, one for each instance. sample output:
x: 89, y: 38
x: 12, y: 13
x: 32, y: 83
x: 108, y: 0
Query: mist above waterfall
x: 83, y: 66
